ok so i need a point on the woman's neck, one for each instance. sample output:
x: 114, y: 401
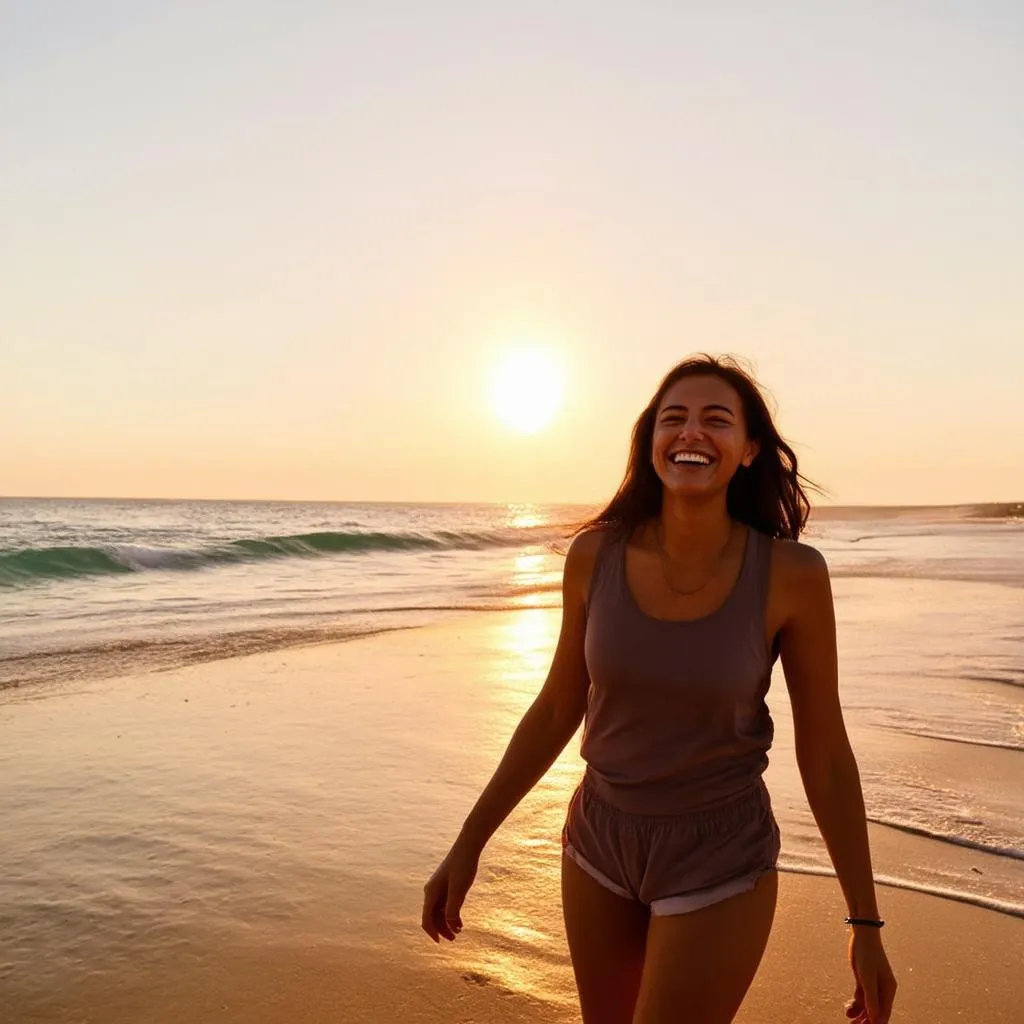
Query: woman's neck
x: 693, y: 528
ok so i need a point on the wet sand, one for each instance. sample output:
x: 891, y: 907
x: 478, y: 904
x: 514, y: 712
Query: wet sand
x: 246, y: 841
x: 955, y: 963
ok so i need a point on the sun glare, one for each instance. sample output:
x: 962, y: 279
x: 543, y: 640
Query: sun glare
x: 527, y: 390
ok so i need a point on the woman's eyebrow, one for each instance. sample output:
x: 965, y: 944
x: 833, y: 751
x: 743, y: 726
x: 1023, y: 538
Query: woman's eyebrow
x: 707, y: 408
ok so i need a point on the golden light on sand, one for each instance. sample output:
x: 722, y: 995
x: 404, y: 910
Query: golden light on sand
x: 528, y: 639
x: 527, y: 389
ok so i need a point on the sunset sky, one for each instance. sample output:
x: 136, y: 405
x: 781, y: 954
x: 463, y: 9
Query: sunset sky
x: 268, y: 250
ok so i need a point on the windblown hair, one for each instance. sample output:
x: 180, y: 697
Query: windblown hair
x: 770, y: 495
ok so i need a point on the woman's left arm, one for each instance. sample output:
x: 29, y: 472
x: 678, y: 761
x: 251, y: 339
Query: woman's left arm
x: 807, y: 645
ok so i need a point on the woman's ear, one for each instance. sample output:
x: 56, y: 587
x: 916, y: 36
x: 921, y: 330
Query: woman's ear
x: 753, y: 448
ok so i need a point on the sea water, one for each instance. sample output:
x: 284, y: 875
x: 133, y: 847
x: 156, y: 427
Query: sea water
x: 929, y: 605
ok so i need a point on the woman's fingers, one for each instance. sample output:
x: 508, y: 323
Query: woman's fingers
x: 878, y: 994
x: 871, y: 1003
x: 453, y: 907
x: 441, y: 921
x: 855, y: 1007
x: 445, y: 893
x: 886, y: 998
x: 435, y: 920
x: 434, y: 894
x: 872, y: 1006
x: 427, y: 923
x: 460, y: 881
x: 427, y: 920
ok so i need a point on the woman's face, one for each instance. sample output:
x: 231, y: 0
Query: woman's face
x: 700, y: 437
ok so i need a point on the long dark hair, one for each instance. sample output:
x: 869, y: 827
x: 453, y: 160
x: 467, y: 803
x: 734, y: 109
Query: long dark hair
x: 770, y: 495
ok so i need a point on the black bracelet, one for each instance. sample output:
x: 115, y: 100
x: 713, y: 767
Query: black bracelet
x: 870, y: 921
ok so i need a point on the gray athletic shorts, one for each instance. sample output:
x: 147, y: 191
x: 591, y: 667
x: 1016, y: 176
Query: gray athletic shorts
x: 673, y: 864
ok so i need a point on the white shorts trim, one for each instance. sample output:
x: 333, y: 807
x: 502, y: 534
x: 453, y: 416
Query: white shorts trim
x: 670, y: 905
x: 573, y: 854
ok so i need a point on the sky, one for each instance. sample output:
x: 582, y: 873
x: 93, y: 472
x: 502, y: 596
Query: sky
x: 268, y: 250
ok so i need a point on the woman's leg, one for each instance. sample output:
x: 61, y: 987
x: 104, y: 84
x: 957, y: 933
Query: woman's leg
x: 607, y: 935
x: 699, y: 965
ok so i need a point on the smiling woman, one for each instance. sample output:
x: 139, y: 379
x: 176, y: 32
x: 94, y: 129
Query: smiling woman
x: 527, y: 389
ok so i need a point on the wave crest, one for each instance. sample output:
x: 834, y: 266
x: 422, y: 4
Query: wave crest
x: 29, y: 565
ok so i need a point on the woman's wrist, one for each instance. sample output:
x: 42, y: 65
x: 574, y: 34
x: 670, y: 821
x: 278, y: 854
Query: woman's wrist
x: 472, y: 838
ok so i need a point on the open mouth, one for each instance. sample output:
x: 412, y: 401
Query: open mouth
x: 690, y: 458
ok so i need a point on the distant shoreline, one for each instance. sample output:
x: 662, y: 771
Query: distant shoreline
x: 971, y: 508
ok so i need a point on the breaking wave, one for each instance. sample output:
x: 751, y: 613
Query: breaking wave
x: 28, y: 565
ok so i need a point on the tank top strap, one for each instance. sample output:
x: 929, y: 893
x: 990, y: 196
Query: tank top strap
x: 607, y: 565
x: 756, y: 572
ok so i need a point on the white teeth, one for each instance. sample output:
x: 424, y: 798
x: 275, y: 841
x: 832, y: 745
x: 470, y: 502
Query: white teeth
x: 698, y: 458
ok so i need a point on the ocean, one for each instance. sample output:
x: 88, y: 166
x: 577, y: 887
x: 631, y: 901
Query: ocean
x: 929, y: 603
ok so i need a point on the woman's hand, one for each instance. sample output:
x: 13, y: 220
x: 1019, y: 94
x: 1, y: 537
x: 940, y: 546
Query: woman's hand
x: 444, y: 894
x: 876, y: 985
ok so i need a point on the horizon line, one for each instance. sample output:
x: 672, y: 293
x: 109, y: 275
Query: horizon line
x: 506, y: 503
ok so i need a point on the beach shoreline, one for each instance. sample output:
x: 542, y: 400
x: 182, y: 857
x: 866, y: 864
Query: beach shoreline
x: 246, y: 840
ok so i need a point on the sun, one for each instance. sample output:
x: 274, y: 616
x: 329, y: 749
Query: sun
x: 527, y: 389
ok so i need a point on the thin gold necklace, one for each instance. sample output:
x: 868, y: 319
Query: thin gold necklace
x: 663, y: 558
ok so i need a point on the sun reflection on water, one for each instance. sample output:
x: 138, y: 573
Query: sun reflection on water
x: 527, y: 639
x: 534, y: 581
x: 524, y: 516
x: 528, y: 565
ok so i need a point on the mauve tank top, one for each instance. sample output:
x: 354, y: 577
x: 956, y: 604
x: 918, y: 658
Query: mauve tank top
x: 676, y: 716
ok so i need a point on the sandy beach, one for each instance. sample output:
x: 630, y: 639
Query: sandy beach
x: 246, y: 840
x: 328, y: 329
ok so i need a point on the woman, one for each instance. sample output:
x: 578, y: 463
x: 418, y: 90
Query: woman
x: 677, y: 599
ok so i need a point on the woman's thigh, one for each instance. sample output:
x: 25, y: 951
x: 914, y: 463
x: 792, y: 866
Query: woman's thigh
x: 607, y: 936
x: 698, y: 966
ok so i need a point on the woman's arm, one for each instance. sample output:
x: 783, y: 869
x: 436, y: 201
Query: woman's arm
x: 555, y: 715
x: 807, y: 644
x: 542, y: 734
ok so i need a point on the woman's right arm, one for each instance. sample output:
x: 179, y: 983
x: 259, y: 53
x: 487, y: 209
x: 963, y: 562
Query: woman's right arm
x: 546, y: 727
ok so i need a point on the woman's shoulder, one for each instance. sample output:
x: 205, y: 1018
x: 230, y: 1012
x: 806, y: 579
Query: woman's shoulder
x: 795, y: 558
x: 584, y: 552
x: 799, y: 574
x: 588, y: 544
